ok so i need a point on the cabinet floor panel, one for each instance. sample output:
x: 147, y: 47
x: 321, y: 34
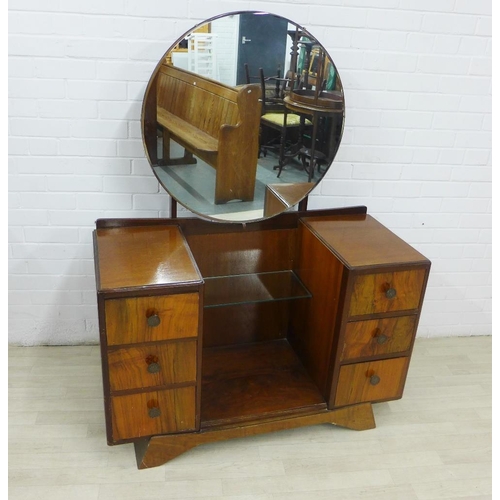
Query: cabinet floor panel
x: 254, y: 381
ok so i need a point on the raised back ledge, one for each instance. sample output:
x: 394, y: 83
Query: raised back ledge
x: 195, y: 225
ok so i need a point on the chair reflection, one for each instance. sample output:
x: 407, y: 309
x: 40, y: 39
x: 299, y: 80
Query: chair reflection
x: 276, y: 134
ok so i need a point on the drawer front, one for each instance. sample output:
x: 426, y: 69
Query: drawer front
x: 371, y: 382
x: 377, y: 337
x: 152, y: 365
x: 154, y: 412
x: 146, y: 319
x: 386, y: 292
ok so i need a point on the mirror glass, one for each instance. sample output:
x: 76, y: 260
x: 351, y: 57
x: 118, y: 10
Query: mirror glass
x: 243, y: 116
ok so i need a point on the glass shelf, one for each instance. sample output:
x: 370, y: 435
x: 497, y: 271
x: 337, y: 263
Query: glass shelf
x: 251, y: 288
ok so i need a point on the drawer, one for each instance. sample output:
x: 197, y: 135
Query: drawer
x: 154, y: 412
x: 377, y: 337
x: 152, y: 365
x: 146, y: 319
x: 386, y: 292
x: 372, y: 381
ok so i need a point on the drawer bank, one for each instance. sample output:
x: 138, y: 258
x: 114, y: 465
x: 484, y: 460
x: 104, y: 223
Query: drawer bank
x: 215, y: 331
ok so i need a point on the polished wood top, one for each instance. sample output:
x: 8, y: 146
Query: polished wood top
x: 361, y: 241
x: 143, y: 256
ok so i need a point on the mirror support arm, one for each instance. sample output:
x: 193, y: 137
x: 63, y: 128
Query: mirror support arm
x: 173, y: 208
x: 303, y: 204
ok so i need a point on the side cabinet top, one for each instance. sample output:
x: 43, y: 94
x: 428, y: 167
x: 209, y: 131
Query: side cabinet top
x: 143, y: 256
x: 360, y: 241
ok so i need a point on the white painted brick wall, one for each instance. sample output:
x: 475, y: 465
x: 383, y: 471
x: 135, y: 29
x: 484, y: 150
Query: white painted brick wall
x: 416, y: 148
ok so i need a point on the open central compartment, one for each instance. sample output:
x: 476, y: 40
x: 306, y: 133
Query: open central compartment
x: 255, y: 381
x: 256, y: 361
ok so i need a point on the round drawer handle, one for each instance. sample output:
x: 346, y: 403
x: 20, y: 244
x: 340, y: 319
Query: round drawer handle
x: 154, y: 412
x: 153, y: 408
x: 379, y: 337
x: 374, y: 379
x: 154, y: 320
x: 153, y: 368
x: 390, y: 293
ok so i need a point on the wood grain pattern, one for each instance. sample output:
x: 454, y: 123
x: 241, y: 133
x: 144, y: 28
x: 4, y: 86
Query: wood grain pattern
x: 313, y: 320
x: 181, y: 93
x: 250, y: 379
x: 354, y: 384
x: 128, y: 367
x: 239, y: 150
x: 160, y: 449
x: 369, y: 292
x: 217, y: 123
x: 187, y: 133
x: 242, y: 252
x: 377, y: 337
x: 143, y: 256
x: 127, y: 319
x: 361, y: 241
x: 280, y: 197
x: 253, y: 381
x: 131, y: 419
x: 246, y: 323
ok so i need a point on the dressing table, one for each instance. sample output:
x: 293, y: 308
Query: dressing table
x: 212, y: 329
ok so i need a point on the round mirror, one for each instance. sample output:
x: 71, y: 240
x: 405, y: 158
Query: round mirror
x: 243, y: 116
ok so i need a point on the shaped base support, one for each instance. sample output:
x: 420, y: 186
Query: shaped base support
x: 158, y: 450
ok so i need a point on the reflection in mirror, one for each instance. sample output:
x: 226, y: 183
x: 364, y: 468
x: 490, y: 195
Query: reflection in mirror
x: 243, y: 116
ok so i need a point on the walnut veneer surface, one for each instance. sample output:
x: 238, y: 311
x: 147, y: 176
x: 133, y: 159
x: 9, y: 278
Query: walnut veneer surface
x: 360, y: 240
x: 143, y: 256
x: 310, y: 318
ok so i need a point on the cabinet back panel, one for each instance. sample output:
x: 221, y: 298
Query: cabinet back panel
x: 245, y: 323
x: 243, y: 252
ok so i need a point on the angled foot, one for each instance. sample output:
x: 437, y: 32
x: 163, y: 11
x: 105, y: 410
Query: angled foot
x: 358, y: 417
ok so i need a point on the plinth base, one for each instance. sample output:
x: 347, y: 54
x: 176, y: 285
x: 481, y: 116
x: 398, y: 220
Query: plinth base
x: 158, y: 450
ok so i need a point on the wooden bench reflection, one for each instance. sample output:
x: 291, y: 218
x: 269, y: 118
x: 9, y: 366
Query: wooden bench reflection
x: 216, y: 122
